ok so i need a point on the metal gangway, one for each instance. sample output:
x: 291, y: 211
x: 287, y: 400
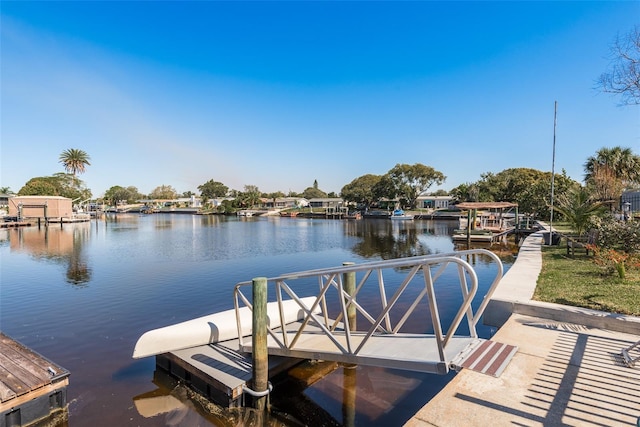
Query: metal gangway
x: 345, y: 324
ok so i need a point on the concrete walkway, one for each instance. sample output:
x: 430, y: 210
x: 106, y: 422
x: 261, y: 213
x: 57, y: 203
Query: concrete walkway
x: 567, y: 371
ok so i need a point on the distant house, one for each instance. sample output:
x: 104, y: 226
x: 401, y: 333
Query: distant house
x: 434, y: 202
x: 4, y: 200
x: 328, y: 202
x: 284, y: 202
x: 192, y: 202
x: 45, y: 207
x: 633, y: 200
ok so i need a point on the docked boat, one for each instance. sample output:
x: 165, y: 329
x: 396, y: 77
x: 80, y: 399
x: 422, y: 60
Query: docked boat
x: 400, y: 215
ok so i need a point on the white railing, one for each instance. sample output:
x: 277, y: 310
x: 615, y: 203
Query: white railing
x: 431, y: 268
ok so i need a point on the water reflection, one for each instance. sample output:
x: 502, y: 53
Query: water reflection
x: 381, y: 238
x: 332, y: 394
x: 179, y: 406
x: 148, y: 271
x: 61, y: 245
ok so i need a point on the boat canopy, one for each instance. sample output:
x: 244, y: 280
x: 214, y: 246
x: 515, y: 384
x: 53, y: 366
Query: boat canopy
x: 486, y: 205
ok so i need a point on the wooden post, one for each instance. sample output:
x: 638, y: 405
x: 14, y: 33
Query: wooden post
x: 260, y: 357
x: 517, y: 233
x: 468, y: 226
x: 349, y: 285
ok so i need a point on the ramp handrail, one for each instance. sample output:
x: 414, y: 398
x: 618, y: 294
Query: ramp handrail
x: 431, y: 267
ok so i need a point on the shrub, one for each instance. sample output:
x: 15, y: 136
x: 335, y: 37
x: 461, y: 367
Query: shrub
x: 611, y: 259
x: 619, y: 235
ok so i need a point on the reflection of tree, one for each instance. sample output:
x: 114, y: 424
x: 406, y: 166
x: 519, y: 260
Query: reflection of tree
x: 78, y: 272
x: 505, y: 250
x: 58, y: 245
x: 387, y: 239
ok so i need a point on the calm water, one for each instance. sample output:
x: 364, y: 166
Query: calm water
x: 82, y: 294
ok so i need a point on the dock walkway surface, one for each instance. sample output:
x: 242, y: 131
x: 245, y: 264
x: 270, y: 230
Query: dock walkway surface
x: 568, y: 370
x: 32, y: 388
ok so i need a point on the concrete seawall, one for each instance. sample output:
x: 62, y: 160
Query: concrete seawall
x: 567, y: 371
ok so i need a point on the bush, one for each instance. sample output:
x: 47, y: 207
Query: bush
x: 618, y: 235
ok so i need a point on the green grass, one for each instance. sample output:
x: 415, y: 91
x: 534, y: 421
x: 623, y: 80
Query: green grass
x: 562, y: 227
x: 578, y: 281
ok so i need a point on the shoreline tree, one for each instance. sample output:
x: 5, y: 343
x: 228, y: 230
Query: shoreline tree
x: 611, y: 171
x: 529, y: 188
x: 313, y: 192
x: 213, y: 189
x: 60, y: 184
x: 408, y: 182
x: 74, y: 161
x: 164, y: 192
x: 361, y: 190
x: 117, y: 194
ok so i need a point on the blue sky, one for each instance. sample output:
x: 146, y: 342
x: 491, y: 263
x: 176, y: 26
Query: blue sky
x: 279, y: 94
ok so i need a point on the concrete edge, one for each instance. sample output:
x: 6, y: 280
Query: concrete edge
x: 498, y: 311
x: 520, y: 284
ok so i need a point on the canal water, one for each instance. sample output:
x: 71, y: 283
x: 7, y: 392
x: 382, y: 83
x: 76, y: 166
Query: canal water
x: 82, y: 294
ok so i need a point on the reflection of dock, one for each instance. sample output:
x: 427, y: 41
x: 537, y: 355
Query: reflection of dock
x: 15, y: 224
x: 32, y: 388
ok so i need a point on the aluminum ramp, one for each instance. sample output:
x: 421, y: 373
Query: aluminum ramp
x: 412, y: 352
x: 379, y: 341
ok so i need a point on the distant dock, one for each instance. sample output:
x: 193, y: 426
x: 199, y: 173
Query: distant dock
x: 32, y: 388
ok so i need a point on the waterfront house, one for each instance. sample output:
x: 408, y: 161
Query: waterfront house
x: 284, y: 202
x: 434, y: 202
x: 326, y: 202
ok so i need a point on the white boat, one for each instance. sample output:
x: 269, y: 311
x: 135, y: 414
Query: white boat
x: 211, y: 328
x: 399, y: 214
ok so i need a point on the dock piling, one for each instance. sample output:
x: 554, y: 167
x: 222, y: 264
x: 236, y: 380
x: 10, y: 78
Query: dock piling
x: 349, y: 284
x: 260, y: 356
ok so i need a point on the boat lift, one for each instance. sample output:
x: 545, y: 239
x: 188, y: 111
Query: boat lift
x: 349, y: 326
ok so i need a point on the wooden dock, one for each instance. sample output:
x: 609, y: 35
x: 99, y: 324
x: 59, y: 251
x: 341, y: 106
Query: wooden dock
x: 32, y: 388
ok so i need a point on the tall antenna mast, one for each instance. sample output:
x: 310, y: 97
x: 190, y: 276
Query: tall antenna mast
x: 553, y: 166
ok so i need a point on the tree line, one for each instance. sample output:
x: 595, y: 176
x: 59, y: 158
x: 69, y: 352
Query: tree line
x: 608, y: 173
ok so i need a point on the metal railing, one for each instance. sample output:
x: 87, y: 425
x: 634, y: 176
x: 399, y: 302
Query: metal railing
x: 431, y: 268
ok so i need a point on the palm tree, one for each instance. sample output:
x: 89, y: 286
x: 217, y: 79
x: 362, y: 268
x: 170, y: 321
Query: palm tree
x: 622, y: 162
x: 577, y: 206
x: 74, y: 160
